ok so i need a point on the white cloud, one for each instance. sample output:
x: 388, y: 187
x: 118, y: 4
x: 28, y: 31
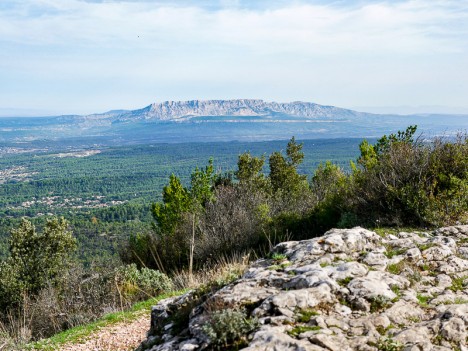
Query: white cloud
x: 349, y: 51
x: 402, y: 26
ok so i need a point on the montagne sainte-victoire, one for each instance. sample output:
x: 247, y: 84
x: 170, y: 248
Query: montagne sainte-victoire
x: 190, y: 110
x: 219, y: 120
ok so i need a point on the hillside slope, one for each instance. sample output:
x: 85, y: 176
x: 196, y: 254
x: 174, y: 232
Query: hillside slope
x: 351, y: 289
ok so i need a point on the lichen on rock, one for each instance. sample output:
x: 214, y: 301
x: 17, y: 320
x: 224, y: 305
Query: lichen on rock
x: 350, y: 289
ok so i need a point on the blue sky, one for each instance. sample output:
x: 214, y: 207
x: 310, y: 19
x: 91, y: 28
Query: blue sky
x: 75, y: 56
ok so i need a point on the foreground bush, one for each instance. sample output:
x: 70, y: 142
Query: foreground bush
x: 228, y: 328
x: 402, y: 180
x: 35, y: 260
x: 134, y: 283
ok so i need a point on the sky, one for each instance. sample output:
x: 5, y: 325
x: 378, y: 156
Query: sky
x: 86, y: 56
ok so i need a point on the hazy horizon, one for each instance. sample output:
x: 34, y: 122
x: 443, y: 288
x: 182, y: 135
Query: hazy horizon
x: 396, y: 110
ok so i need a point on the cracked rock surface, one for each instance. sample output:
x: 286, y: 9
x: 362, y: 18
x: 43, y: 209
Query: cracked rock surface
x: 350, y: 289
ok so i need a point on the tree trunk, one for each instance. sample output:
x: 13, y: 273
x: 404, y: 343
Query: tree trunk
x: 192, y: 247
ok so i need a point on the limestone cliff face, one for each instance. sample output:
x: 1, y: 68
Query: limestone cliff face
x: 176, y: 110
x: 350, y: 289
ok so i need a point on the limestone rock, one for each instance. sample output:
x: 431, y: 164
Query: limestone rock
x: 336, y: 293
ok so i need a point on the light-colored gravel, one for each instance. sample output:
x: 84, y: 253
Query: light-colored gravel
x: 123, y: 336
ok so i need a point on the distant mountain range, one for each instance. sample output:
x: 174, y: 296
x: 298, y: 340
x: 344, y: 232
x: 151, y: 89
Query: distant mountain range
x: 187, y: 110
x: 214, y: 120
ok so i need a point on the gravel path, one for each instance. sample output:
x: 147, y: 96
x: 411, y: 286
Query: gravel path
x: 123, y: 336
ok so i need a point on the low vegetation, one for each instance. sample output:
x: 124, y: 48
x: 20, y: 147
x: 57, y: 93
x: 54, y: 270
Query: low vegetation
x: 227, y: 328
x: 299, y: 329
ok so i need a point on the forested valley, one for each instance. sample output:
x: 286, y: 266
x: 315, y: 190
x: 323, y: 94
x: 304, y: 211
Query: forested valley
x: 106, y: 193
x: 130, y: 223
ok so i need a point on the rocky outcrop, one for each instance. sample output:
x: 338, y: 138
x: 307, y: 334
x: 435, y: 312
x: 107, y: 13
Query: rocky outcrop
x: 350, y: 289
x: 184, y: 110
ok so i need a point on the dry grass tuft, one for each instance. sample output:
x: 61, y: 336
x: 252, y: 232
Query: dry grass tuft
x: 222, y: 272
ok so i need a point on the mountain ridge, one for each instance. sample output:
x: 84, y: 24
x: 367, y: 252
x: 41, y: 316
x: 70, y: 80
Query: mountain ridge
x: 219, y: 120
x: 185, y: 110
